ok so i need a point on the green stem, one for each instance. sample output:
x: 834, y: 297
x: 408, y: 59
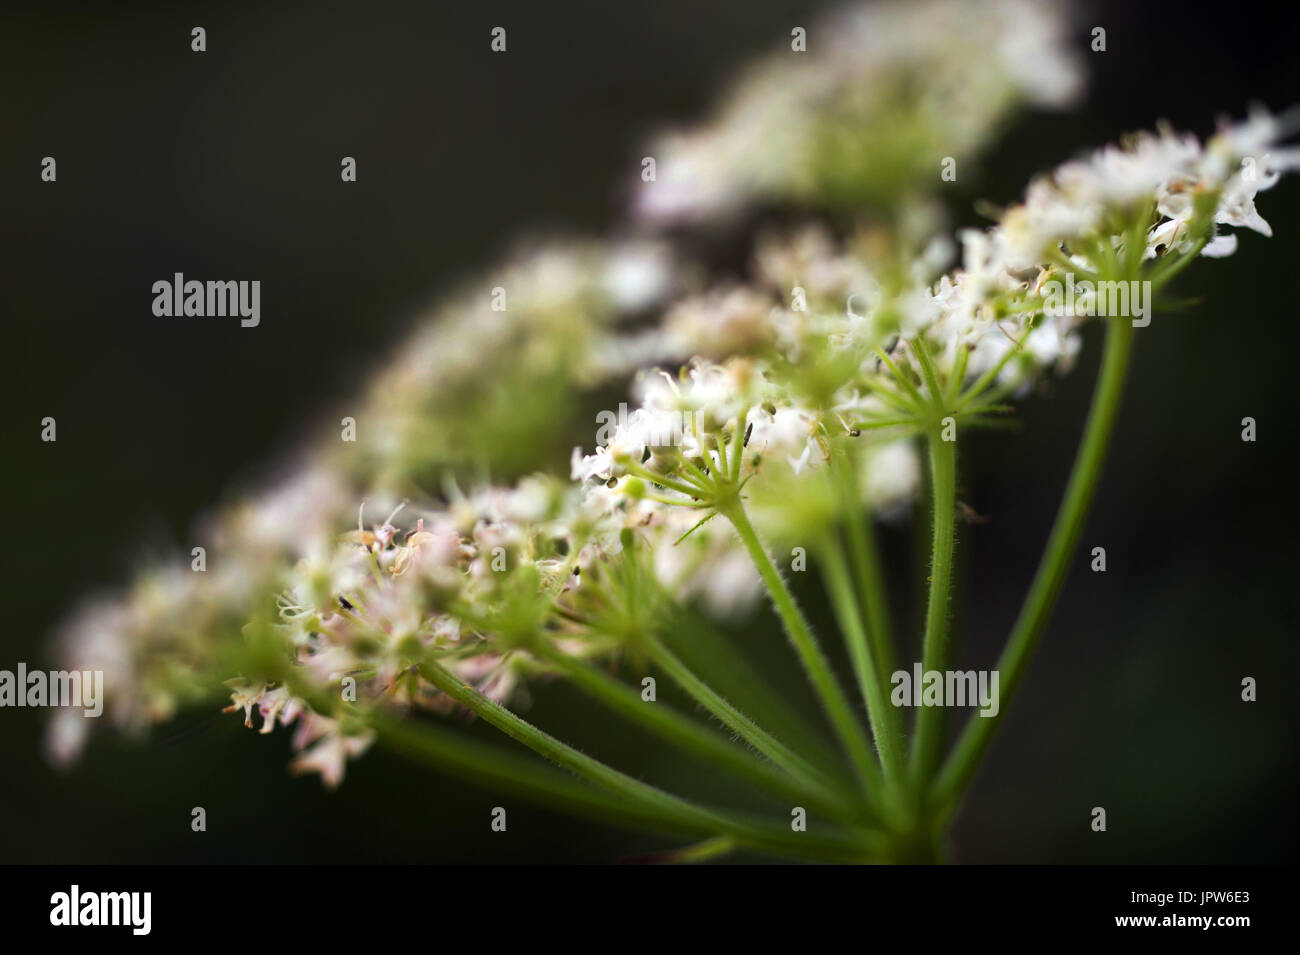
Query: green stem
x: 1052, y: 569
x: 865, y: 557
x: 491, y: 766
x: 934, y: 653
x: 833, y: 700
x: 755, y: 833
x: 537, y: 782
x: 881, y: 714
x: 702, y: 648
x: 740, y: 724
x: 701, y: 851
x: 1161, y: 275
x: 691, y: 736
x: 429, y: 744
x: 931, y: 375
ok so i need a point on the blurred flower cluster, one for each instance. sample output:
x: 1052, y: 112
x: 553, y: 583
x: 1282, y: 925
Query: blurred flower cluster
x: 890, y: 89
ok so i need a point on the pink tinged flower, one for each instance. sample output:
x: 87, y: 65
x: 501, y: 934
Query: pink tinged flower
x: 330, y: 755
x: 278, y: 703
x: 500, y: 684
x: 245, y: 698
x: 446, y: 629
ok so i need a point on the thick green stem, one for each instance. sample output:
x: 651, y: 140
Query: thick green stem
x: 928, y: 742
x: 740, y: 724
x: 832, y: 696
x: 881, y: 714
x: 673, y: 809
x: 691, y: 736
x: 1052, y: 569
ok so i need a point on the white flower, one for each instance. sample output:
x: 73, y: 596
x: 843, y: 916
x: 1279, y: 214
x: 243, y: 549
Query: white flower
x: 891, y: 475
x: 585, y: 467
x: 1051, y: 342
x: 637, y: 275
x: 789, y: 434
x: 1220, y: 247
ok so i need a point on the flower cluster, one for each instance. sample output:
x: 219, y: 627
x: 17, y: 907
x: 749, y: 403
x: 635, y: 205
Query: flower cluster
x: 884, y: 90
x: 552, y: 321
x: 786, y: 397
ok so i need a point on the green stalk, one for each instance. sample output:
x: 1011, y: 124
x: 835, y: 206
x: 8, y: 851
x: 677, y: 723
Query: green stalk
x: 691, y: 736
x: 430, y: 744
x: 673, y: 809
x: 934, y: 653
x: 865, y: 558
x: 1053, y: 567
x: 704, y: 650
x: 490, y: 766
x: 740, y: 724
x: 701, y: 851
x: 880, y: 713
x: 810, y: 654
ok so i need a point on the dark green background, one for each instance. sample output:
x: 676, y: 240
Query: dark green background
x: 226, y: 164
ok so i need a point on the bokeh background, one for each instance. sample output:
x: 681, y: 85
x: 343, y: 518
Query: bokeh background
x: 226, y: 164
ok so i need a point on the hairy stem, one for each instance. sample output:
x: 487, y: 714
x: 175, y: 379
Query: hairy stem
x: 740, y: 724
x: 1053, y: 567
x: 833, y: 700
x: 695, y: 641
x: 840, y: 586
x: 691, y: 736
x: 754, y: 833
x: 428, y: 743
x: 431, y: 745
x: 874, y: 604
x: 934, y: 653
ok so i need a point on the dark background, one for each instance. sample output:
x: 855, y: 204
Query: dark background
x: 226, y: 164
